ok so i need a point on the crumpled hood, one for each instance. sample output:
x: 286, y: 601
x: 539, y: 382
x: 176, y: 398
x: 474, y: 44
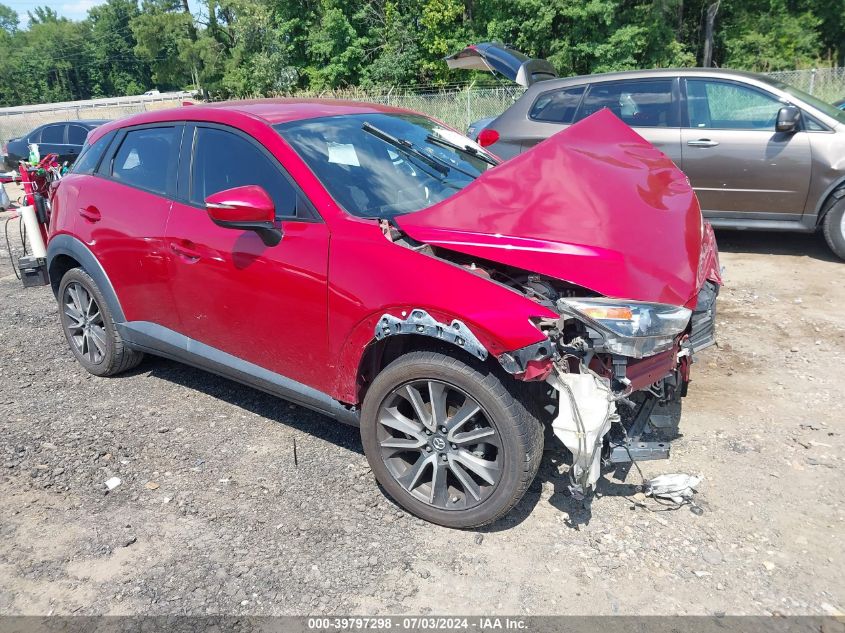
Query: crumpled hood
x: 595, y: 205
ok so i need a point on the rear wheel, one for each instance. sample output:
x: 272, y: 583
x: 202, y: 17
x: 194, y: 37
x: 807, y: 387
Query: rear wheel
x: 89, y: 327
x: 834, y: 228
x: 450, y: 442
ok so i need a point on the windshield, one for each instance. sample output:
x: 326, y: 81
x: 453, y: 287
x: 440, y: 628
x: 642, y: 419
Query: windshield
x: 832, y: 111
x: 381, y: 165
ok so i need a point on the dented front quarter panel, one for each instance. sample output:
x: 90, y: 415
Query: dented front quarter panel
x: 370, y: 276
x: 595, y: 205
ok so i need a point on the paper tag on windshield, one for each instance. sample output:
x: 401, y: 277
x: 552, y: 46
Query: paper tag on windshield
x: 343, y: 154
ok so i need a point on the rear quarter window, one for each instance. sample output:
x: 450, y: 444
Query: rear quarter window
x: 91, y: 155
x: 557, y: 106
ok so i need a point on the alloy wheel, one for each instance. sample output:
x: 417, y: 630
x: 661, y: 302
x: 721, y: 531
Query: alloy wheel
x: 439, y: 444
x: 84, y: 322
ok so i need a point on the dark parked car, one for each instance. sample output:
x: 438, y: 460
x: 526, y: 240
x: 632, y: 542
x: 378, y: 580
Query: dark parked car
x: 840, y: 104
x: 760, y: 154
x: 376, y: 266
x: 64, y: 138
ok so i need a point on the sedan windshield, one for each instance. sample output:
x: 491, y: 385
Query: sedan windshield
x: 381, y: 165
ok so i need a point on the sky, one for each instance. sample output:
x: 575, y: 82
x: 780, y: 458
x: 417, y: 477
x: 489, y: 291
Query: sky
x: 71, y: 9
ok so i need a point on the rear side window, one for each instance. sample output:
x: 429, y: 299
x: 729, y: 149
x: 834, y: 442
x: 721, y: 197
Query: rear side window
x: 640, y: 103
x: 557, y: 106
x: 146, y: 158
x: 76, y: 134
x: 54, y: 134
x: 90, y: 156
x: 223, y: 160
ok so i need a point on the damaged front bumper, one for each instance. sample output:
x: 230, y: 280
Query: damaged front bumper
x: 614, y: 408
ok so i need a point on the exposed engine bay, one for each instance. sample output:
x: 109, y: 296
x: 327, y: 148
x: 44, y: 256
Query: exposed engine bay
x: 619, y: 368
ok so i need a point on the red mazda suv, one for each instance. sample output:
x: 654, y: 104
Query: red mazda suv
x: 377, y: 266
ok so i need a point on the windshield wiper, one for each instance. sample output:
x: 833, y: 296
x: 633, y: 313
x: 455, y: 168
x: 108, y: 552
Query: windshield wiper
x: 463, y: 149
x: 406, y: 147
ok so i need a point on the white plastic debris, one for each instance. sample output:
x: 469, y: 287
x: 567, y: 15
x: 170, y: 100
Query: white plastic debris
x: 584, y: 416
x: 677, y: 486
x: 113, y: 483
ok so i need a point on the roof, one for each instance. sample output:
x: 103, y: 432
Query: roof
x: 267, y: 111
x: 655, y: 72
x: 283, y: 110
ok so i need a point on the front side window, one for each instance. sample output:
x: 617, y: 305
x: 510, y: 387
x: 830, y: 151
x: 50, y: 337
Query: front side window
x: 223, y: 160
x: 53, y: 134
x: 381, y: 165
x: 557, y: 106
x: 639, y: 103
x: 146, y: 158
x: 730, y: 106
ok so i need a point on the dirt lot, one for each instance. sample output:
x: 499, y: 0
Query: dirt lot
x: 214, y: 516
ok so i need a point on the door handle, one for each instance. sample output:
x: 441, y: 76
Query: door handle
x: 90, y: 213
x: 185, y: 251
x: 703, y: 142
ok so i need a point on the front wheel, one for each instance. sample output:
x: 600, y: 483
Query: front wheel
x: 449, y: 441
x: 834, y: 228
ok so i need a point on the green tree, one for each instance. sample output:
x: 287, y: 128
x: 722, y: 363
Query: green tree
x: 8, y: 19
x: 116, y: 69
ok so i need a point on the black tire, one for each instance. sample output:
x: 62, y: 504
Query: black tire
x: 833, y: 228
x: 103, y: 353
x: 504, y: 406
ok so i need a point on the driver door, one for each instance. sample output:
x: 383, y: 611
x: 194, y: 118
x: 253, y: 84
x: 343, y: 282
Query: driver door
x: 737, y: 163
x: 263, y: 304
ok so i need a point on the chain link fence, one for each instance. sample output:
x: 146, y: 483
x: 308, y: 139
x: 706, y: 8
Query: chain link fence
x: 828, y: 84
x: 457, y: 105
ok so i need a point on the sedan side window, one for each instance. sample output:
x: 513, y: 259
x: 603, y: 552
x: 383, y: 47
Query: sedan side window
x: 727, y: 105
x: 146, y: 158
x: 53, y: 134
x: 639, y: 103
x: 76, y: 134
x: 223, y: 160
x: 557, y: 106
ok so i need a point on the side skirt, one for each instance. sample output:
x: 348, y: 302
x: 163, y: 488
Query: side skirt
x: 804, y: 225
x: 161, y: 341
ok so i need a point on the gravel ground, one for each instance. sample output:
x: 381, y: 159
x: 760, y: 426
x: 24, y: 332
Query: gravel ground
x: 233, y: 502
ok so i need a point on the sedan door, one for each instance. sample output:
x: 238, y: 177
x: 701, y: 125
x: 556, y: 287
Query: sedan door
x: 51, y: 140
x: 737, y: 163
x: 76, y: 135
x: 263, y: 304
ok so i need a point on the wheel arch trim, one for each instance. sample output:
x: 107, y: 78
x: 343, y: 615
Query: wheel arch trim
x: 74, y: 248
x: 822, y: 206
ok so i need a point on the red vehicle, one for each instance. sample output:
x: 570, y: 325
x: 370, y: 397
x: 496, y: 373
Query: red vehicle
x: 376, y: 266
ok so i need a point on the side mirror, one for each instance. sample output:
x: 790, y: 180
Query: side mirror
x: 247, y: 208
x: 788, y: 119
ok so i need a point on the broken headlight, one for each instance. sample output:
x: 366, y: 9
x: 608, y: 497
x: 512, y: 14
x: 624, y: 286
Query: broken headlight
x: 630, y: 328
